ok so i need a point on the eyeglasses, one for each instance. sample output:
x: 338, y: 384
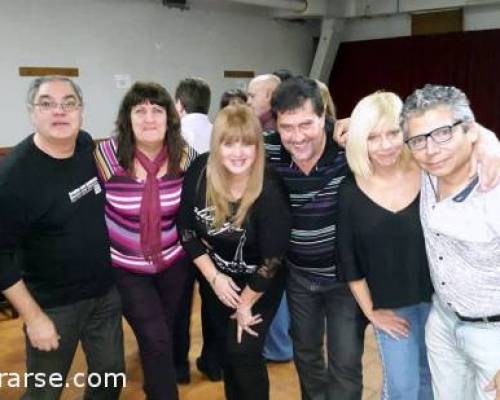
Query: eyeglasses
x: 439, y: 135
x: 66, y: 106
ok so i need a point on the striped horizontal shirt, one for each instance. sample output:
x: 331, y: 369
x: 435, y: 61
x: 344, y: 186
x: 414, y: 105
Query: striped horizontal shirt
x: 123, y: 205
x: 313, y: 199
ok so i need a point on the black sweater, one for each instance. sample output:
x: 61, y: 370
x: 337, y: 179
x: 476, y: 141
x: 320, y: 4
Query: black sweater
x: 52, y: 228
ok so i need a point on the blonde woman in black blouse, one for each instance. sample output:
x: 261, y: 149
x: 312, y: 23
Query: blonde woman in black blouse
x: 381, y: 244
x: 234, y: 223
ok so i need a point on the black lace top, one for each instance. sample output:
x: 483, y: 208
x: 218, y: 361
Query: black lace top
x: 251, y: 254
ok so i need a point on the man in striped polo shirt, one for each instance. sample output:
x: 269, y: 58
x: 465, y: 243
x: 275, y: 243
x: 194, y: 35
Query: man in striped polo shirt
x: 312, y: 167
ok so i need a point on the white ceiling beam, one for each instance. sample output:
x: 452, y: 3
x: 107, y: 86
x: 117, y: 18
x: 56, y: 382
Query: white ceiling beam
x: 373, y: 8
x: 428, y: 5
x: 289, y: 5
x: 328, y: 45
x: 314, y: 9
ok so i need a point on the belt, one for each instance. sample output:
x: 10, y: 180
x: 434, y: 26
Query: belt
x: 492, y: 318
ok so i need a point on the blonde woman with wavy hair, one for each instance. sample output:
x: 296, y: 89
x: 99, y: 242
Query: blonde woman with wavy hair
x: 372, y: 113
x: 381, y: 244
x: 234, y: 223
x: 238, y: 125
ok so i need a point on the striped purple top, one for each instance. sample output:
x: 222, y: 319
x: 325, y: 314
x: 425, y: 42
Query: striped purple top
x: 123, y: 204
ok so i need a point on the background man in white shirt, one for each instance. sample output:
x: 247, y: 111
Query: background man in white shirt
x: 192, y: 101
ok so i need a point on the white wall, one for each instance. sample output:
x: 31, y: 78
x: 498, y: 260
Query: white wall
x: 485, y: 17
x: 475, y: 18
x: 141, y: 38
x: 376, y: 27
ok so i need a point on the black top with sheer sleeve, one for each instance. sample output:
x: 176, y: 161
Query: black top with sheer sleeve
x: 384, y: 247
x: 253, y: 253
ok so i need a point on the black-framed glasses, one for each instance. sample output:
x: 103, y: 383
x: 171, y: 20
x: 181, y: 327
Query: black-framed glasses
x: 439, y: 135
x: 66, y: 106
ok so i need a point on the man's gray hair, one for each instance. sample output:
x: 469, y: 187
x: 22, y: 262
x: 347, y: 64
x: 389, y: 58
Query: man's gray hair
x: 36, y: 83
x: 433, y: 96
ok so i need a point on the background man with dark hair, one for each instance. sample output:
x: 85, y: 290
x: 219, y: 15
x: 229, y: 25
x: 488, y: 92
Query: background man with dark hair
x: 192, y: 101
x: 283, y: 73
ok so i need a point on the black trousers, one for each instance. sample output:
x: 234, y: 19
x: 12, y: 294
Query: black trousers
x: 245, y: 372
x: 182, y: 338
x: 150, y: 305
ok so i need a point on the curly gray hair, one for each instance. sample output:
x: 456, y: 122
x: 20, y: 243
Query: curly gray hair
x: 432, y: 96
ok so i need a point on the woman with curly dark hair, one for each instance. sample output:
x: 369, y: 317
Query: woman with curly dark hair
x: 142, y: 168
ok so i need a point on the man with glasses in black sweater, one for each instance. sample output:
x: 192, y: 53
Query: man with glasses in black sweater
x: 54, y: 249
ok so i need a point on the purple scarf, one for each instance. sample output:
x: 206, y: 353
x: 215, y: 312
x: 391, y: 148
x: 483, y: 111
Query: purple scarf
x: 150, y: 215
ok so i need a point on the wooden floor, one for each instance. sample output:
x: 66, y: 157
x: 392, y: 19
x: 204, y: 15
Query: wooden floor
x: 283, y: 377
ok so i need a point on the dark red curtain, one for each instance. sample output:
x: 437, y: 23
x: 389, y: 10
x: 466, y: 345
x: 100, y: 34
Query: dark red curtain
x: 467, y: 60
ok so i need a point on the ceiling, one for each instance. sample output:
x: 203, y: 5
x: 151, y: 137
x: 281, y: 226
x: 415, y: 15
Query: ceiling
x: 304, y: 9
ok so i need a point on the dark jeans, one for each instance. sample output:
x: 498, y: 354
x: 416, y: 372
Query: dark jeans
x: 245, y: 372
x: 150, y: 304
x: 312, y: 308
x: 97, y: 324
x: 181, y: 335
x: 181, y: 328
x: 278, y: 344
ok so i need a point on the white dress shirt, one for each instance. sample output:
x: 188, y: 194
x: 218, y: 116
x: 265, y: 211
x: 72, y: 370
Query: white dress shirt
x: 196, y: 130
x: 462, y: 237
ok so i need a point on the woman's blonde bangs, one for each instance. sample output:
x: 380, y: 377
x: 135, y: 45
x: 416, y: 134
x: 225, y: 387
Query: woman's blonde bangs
x: 234, y: 124
x: 371, y: 111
